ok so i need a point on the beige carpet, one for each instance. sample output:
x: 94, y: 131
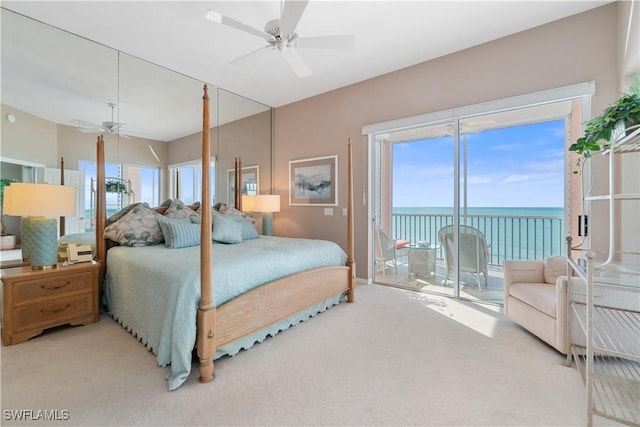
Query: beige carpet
x: 394, y: 357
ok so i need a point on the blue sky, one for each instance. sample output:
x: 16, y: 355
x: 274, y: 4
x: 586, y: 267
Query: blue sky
x: 520, y: 166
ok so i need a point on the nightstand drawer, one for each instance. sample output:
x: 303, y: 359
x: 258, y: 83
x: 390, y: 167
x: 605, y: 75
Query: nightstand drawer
x: 35, y: 300
x: 52, y: 311
x: 51, y: 287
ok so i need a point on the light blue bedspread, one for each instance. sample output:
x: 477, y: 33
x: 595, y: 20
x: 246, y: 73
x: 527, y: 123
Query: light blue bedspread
x: 154, y: 291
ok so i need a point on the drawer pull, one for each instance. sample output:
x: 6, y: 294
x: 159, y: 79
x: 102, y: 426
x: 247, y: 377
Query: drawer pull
x: 54, y: 311
x: 53, y: 288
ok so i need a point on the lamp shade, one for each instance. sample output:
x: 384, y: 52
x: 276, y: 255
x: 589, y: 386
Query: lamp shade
x: 267, y: 203
x: 49, y: 200
x: 248, y: 203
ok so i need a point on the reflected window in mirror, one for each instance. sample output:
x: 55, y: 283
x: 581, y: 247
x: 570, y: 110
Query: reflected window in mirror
x: 130, y: 184
x: 185, y: 182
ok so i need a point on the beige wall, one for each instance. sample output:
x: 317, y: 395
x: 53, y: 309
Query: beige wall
x: 29, y: 138
x: 248, y: 138
x: 573, y: 50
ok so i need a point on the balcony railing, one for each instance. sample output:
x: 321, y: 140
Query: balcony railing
x: 509, y: 237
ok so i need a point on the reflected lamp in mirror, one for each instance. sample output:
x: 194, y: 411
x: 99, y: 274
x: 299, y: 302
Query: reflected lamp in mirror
x: 41, y: 204
x: 267, y: 204
x: 248, y: 203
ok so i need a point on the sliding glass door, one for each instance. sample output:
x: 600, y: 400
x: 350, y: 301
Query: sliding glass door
x: 459, y: 197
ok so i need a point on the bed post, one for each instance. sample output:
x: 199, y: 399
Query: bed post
x: 206, y: 311
x: 101, y: 213
x: 237, y: 179
x: 62, y: 219
x: 351, y: 263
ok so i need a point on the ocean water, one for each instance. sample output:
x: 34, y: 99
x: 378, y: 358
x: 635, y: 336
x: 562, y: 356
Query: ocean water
x: 511, y: 232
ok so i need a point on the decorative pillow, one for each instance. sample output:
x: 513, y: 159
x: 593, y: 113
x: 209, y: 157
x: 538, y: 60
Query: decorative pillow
x: 226, y: 230
x: 177, y: 209
x: 139, y: 227
x: 249, y: 230
x: 230, y: 210
x: 179, y: 232
x: 166, y: 203
x: 122, y: 212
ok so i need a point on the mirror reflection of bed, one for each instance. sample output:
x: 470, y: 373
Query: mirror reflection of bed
x: 159, y: 110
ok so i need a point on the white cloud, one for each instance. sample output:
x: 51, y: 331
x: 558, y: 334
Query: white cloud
x: 515, y: 178
x: 478, y: 180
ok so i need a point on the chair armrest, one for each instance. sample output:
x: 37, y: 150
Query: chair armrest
x: 517, y: 271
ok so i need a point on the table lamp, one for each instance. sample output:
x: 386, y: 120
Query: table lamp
x: 248, y: 203
x: 267, y: 204
x: 40, y: 202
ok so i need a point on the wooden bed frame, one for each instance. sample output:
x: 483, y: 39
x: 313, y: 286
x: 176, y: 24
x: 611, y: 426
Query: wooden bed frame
x: 239, y: 317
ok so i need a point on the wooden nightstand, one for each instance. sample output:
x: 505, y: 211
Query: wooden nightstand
x: 34, y: 300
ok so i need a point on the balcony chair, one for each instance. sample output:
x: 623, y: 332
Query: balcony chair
x: 387, y: 250
x: 535, y: 296
x: 473, y: 252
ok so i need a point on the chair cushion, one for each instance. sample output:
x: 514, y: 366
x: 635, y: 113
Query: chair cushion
x: 541, y: 296
x: 554, y: 266
x: 401, y: 244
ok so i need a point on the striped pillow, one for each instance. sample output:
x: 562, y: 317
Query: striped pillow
x: 179, y: 232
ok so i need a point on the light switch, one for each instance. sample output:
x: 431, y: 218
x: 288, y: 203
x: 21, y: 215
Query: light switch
x: 344, y: 211
x: 328, y: 211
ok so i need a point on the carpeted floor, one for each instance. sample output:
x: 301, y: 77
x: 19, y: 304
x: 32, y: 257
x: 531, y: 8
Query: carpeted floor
x: 394, y: 357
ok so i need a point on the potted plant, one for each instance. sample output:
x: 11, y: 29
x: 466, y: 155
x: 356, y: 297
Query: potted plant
x: 624, y: 114
x: 114, y: 186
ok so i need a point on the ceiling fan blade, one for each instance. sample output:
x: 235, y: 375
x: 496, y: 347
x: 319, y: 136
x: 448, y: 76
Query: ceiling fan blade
x: 154, y: 153
x: 83, y: 124
x: 326, y: 42
x: 216, y: 17
x: 91, y: 130
x: 291, y: 14
x: 296, y: 63
x: 252, y: 55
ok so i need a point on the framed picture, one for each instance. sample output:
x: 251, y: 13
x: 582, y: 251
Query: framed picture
x: 314, y: 182
x: 250, y: 182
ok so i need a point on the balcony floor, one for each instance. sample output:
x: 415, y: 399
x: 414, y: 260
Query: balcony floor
x: 492, y: 293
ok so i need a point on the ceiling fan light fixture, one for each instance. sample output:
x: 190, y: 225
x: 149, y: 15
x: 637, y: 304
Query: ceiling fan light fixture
x: 213, y: 16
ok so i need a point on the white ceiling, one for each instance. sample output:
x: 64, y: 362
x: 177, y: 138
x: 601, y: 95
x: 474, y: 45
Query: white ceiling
x: 389, y: 35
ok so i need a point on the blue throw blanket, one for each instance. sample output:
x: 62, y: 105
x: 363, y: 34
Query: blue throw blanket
x: 154, y: 291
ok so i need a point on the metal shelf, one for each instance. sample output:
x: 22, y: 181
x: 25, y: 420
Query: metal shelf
x: 627, y: 144
x: 606, y: 315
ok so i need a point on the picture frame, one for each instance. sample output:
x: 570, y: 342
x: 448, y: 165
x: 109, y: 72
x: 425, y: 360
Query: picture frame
x: 314, y: 181
x: 250, y: 182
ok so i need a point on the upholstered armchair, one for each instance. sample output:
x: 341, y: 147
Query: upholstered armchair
x: 535, y: 296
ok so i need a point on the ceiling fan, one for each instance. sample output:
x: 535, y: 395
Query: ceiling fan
x: 110, y: 128
x: 281, y: 35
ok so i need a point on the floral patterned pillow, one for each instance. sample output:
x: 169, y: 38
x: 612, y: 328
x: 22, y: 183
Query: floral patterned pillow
x: 139, y: 227
x: 177, y: 209
x: 122, y: 212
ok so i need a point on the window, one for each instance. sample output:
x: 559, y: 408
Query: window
x: 142, y: 183
x: 185, y: 182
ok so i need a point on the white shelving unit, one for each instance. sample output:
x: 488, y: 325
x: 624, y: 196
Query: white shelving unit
x: 622, y: 144
x: 605, y: 337
x: 604, y: 315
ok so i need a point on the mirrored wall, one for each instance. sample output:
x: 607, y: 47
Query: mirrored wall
x: 60, y: 91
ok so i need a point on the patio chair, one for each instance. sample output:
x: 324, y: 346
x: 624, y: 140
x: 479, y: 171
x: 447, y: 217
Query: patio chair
x: 473, y: 251
x: 387, y: 250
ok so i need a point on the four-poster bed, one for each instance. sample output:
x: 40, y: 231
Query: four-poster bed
x: 246, y: 292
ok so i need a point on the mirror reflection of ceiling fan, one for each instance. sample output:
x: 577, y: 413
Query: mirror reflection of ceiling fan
x: 110, y: 128
x: 281, y: 35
